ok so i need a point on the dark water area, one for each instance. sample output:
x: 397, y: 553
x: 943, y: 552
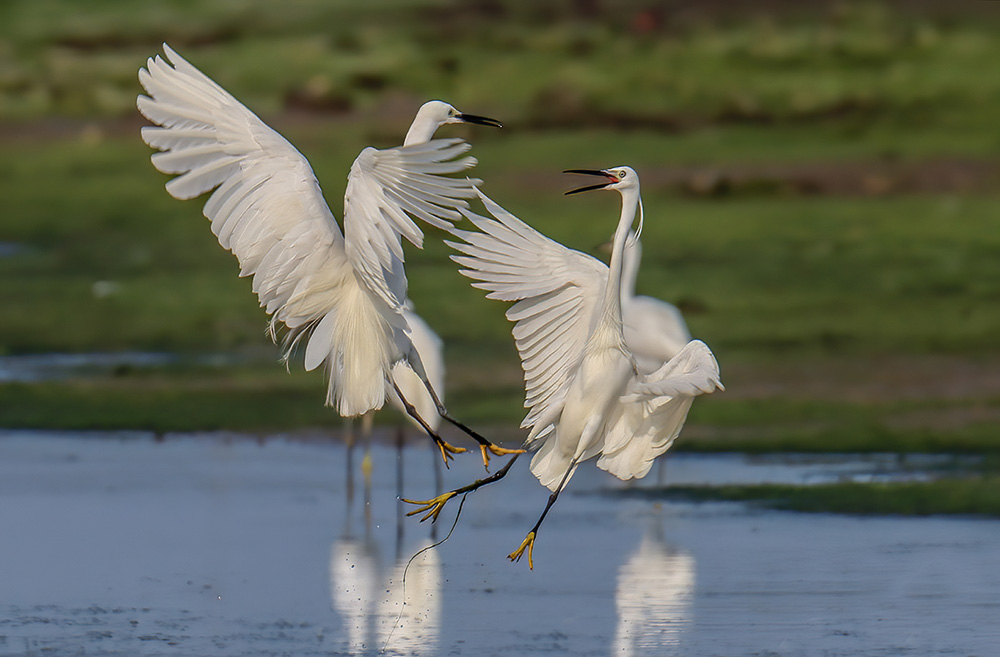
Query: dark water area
x: 198, y: 545
x: 46, y: 367
x: 10, y: 249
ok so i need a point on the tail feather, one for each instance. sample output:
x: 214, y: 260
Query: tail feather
x: 356, y: 344
x: 549, y: 465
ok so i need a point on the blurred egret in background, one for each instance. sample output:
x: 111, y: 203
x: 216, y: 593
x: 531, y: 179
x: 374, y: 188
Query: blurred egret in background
x: 430, y: 349
x: 654, y: 330
x: 344, y: 292
x: 585, y: 395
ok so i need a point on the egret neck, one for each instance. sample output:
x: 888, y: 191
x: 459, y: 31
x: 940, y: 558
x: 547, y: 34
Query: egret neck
x: 421, y: 130
x: 613, y: 290
x: 631, y: 258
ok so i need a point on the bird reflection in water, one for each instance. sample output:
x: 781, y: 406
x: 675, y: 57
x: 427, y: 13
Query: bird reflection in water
x: 430, y: 350
x: 653, y: 598
x: 411, y: 609
x: 355, y: 579
x: 385, y: 606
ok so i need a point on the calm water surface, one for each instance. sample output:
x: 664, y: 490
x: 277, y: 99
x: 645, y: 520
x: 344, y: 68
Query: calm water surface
x: 121, y: 545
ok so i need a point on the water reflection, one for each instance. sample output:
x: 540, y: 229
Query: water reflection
x: 31, y: 368
x: 354, y: 587
x: 155, y: 522
x: 385, y: 607
x: 653, y: 596
x: 411, y: 610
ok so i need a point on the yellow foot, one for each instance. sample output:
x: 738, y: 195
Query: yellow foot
x: 497, y: 451
x: 529, y: 543
x: 447, y: 451
x: 433, y: 507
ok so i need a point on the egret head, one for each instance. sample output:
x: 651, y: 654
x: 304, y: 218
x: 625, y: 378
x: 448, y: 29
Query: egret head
x: 617, y: 178
x: 440, y: 113
x: 434, y: 114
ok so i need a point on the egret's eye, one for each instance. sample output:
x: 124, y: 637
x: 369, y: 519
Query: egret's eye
x: 621, y: 174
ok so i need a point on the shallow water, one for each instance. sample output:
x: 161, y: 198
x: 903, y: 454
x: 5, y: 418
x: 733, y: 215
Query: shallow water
x: 55, y: 366
x: 44, y: 367
x: 10, y: 249
x: 206, y: 545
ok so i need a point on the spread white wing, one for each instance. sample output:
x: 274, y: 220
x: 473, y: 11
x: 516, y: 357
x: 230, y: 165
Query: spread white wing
x: 268, y: 208
x: 384, y: 187
x: 557, y: 291
x: 692, y: 372
x: 270, y: 212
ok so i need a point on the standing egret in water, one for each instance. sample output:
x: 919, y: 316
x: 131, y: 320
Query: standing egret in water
x: 429, y: 348
x: 654, y: 330
x: 585, y: 395
x: 343, y: 292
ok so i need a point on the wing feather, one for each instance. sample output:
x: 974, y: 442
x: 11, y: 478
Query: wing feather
x: 557, y: 291
x: 266, y: 191
x: 384, y: 190
x: 693, y: 371
x: 654, y: 409
x: 267, y: 208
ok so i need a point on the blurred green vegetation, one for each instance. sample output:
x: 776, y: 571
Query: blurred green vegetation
x: 819, y: 184
x: 556, y: 64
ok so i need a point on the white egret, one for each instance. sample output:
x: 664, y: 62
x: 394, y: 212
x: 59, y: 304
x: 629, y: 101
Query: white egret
x: 585, y: 396
x: 345, y: 292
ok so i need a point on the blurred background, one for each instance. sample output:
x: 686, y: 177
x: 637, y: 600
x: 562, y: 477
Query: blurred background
x: 819, y: 180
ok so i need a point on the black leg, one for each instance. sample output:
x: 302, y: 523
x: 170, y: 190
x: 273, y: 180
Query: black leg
x: 434, y: 506
x: 485, y: 446
x: 529, y: 540
x: 446, y: 450
x: 443, y: 412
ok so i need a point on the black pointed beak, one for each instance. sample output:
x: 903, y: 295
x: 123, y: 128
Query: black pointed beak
x: 591, y: 172
x: 479, y: 120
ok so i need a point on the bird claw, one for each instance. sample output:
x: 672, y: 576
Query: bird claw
x: 448, y: 451
x: 433, y: 507
x: 496, y: 450
x: 503, y: 451
x: 529, y: 543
